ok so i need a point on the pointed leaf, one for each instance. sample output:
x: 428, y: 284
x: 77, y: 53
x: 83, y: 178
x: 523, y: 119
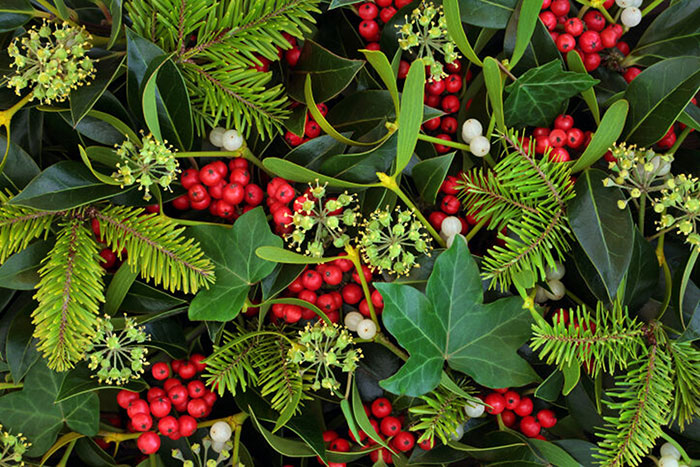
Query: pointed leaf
x: 411, y: 114
x: 529, y: 11
x: 607, y: 133
x: 429, y: 174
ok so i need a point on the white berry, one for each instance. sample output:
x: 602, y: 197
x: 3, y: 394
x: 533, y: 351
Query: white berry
x: 556, y: 272
x: 667, y: 461
x: 637, y: 3
x: 366, y: 329
x: 631, y: 16
x: 470, y: 129
x: 220, y: 432
x: 624, y: 3
x: 218, y: 446
x: 352, y: 319
x: 450, y: 226
x: 474, y: 410
x: 669, y: 450
x: 458, y: 433
x: 557, y: 290
x: 540, y: 295
x: 479, y: 146
x: 231, y: 140
x: 216, y: 136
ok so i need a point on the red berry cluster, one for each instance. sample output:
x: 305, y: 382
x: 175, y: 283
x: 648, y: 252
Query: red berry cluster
x: 192, y: 399
x: 290, y: 55
x: 588, y: 37
x: 510, y: 405
x: 388, y: 427
x: 443, y: 94
x: 564, y: 135
x: 328, y: 286
x: 450, y: 205
x: 374, y: 16
x: 311, y: 128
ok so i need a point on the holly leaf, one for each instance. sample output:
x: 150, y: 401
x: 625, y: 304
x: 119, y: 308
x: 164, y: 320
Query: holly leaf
x: 451, y: 323
x: 539, y: 94
x: 33, y: 412
x: 237, y: 266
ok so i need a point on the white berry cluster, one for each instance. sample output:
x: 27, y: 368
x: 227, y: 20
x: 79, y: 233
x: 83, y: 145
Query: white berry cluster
x: 227, y: 140
x: 365, y: 328
x: 450, y: 229
x: 220, y: 434
x: 670, y: 456
x: 631, y: 14
x: 556, y: 288
x: 472, y: 130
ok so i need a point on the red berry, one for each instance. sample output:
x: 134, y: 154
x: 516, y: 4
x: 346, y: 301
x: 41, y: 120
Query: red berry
x: 352, y: 293
x: 282, y: 216
x: 401, y: 3
x: 387, y: 13
x: 454, y: 67
x: 137, y: 406
x: 404, y: 441
x: 197, y: 408
x: 524, y: 408
x: 574, y: 138
x: 264, y: 64
x: 168, y: 425
x: 497, y: 403
x: 181, y: 203
x: 161, y: 407
x: 549, y: 19
x: 292, y: 139
x: 512, y: 399
x: 233, y: 194
x: 591, y: 61
x: 326, y: 303
x: 449, y: 186
x: 390, y: 426
x: 154, y: 393
x: 148, y: 443
x: 285, y: 193
x: 594, y: 20
x: 546, y: 418
x: 368, y: 29
x: 448, y: 124
x: 560, y: 7
x: 197, y: 192
x: 590, y: 42
x: 427, y: 444
x: 453, y: 83
x: 381, y: 407
x: 508, y: 418
x: 178, y: 395
x: 240, y: 176
x: 291, y: 313
x: 238, y: 163
x: 307, y: 296
x: 435, y: 87
x: 435, y: 218
x: 329, y: 435
x: 332, y: 275
x: 366, y: 271
x: 124, y: 397
x: 196, y: 389
x: 311, y: 129
x: 631, y: 73
x: 109, y: 257
x: 172, y: 382
x: 187, y: 370
x: 450, y: 104
x: 530, y: 427
x: 623, y: 47
x: 312, y: 280
x: 340, y: 445
x: 197, y: 360
x: 557, y: 138
x: 559, y: 155
x: 292, y: 56
x: 209, y: 397
x: 403, y: 69
x: 209, y: 175
x: 565, y: 42
x: 432, y: 124
x: 608, y: 37
x: 368, y: 11
x: 377, y: 299
x: 574, y: 26
x: 142, y: 422
x: 450, y: 204
x: 187, y: 425
x: 189, y: 178
x: 564, y: 122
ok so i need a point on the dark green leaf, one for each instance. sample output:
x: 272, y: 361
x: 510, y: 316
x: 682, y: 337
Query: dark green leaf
x: 93, y: 456
x: 537, y: 96
x: 550, y: 388
x: 118, y: 288
x: 14, y: 13
x: 456, y: 31
x: 691, y: 116
x: 572, y: 375
x: 674, y: 33
x: 80, y: 381
x: 21, y: 270
x: 297, y: 173
x: 312, y: 153
x: 451, y: 323
x: 359, y: 414
x: 144, y: 298
x: 539, y: 51
x: 140, y: 53
x: 642, y: 274
x: 115, y: 9
x: 19, y: 168
x: 552, y: 453
x: 339, y: 3
x: 83, y: 99
x: 237, y: 269
x: 280, y: 255
x: 20, y: 347
x: 601, y: 228
x: 64, y: 185
x: 429, y: 174
x: 607, y: 133
x: 486, y: 13
x: 658, y: 95
x: 281, y: 277
x: 378, y: 363
x: 32, y: 410
x: 579, y: 449
x: 330, y: 73
x: 411, y: 115
x: 362, y: 167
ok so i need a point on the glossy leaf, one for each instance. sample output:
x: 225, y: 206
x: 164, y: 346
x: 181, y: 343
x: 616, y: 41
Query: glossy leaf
x: 79, y: 381
x: 451, y: 323
x: 297, y: 173
x: 456, y: 31
x: 494, y: 87
x: 237, y: 269
x: 550, y: 388
x: 84, y: 98
x: 312, y: 153
x: 608, y: 132
x: 140, y: 52
x: 20, y: 347
x: 575, y: 63
x: 529, y: 11
x: 21, y: 270
x: 383, y: 68
x: 642, y: 274
x: 15, y: 13
x: 429, y: 174
x: 32, y: 410
x: 362, y: 167
x: 487, y: 13
x: 539, y: 51
x: 330, y: 73
x: 359, y: 414
x: 19, y: 168
x: 411, y: 115
x: 64, y: 185
x: 115, y: 9
x: 536, y: 98
x: 603, y: 230
x: 118, y: 288
x: 658, y: 95
x: 280, y: 255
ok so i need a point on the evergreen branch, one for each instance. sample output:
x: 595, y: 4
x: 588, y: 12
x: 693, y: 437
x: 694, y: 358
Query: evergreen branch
x: 230, y: 365
x: 441, y: 414
x: 281, y: 379
x: 686, y: 382
x: 19, y: 226
x: 642, y: 398
x: 155, y: 247
x: 609, y: 340
x: 69, y: 293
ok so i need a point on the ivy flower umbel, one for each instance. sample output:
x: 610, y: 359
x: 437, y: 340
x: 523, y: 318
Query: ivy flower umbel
x: 427, y: 30
x: 12, y: 448
x: 118, y: 356
x: 637, y: 171
x: 321, y: 221
x: 391, y: 241
x: 322, y: 348
x: 681, y: 195
x: 201, y: 456
x: 146, y: 162
x: 51, y: 60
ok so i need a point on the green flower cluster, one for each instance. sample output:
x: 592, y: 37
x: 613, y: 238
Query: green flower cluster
x: 637, y: 171
x: 118, y: 356
x: 201, y: 456
x: 148, y: 163
x: 427, y: 30
x: 391, y: 242
x: 682, y: 195
x: 322, y: 221
x: 321, y: 348
x: 52, y: 60
x: 12, y: 448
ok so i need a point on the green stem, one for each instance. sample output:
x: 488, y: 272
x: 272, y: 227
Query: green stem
x: 605, y: 13
x: 244, y: 152
x: 66, y: 455
x: 642, y: 208
x: 380, y: 338
x: 650, y: 7
x: 444, y: 142
x: 354, y: 256
x: 490, y: 160
x: 667, y: 275
x: 4, y: 386
x: 679, y: 141
x: 236, y: 444
x: 389, y: 183
x: 582, y: 11
x: 684, y: 455
x: 690, y: 265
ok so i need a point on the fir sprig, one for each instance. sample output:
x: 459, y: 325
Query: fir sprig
x: 528, y: 196
x: 686, y: 376
x: 216, y: 46
x: 441, y: 413
x: 69, y: 294
x: 19, y: 226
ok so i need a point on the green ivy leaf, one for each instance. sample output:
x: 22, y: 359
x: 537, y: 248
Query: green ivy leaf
x: 33, y: 412
x: 451, y: 323
x: 604, y: 231
x: 237, y: 267
x: 539, y: 94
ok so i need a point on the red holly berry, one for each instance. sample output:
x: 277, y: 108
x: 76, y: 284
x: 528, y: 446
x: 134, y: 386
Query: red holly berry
x: 631, y: 73
x: 160, y: 407
x: 142, y: 422
x: 404, y: 441
x: 450, y: 104
x: 549, y: 19
x: 332, y: 275
x: 508, y: 418
x: 178, y: 395
x: 196, y: 389
x: 352, y: 293
x: 368, y: 11
x: 448, y: 124
x: 181, y: 203
x: 187, y: 425
x: 124, y: 397
x: 312, y: 280
x: 329, y: 435
x: 197, y: 360
x: 512, y: 399
x: 390, y: 426
x: 623, y: 47
x: 574, y: 26
x: 590, y: 42
x: 311, y: 129
x: 403, y: 69
x: 172, y: 382
x: 594, y: 20
x: 291, y: 313
x: 187, y: 370
x: 497, y: 403
x: 565, y: 42
x: 368, y: 29
x: 432, y: 124
x: 435, y: 87
x: 387, y: 13
x: 529, y: 426
x: 453, y: 83
x: 340, y: 445
x: 137, y: 406
x: 559, y: 155
x: 524, y: 408
x: 377, y: 299
x: 188, y: 178
x: 574, y: 138
x: 292, y: 139
x: 209, y: 175
x: 608, y: 37
x: 168, y: 425
x: 148, y: 443
x: 381, y: 407
x: 154, y: 393
x: 564, y: 122
x: 591, y: 61
x: 450, y: 204
x: 546, y: 418
x: 557, y: 138
x: 197, y: 408
x: 285, y: 193
x: 427, y: 444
